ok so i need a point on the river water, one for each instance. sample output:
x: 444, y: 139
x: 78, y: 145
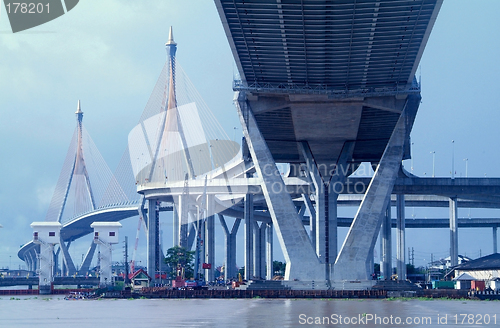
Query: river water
x: 260, y: 313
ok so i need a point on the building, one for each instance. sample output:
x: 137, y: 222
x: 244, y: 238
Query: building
x: 485, y: 269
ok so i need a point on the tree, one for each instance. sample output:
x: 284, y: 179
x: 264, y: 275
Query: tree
x: 279, y: 268
x: 179, y: 256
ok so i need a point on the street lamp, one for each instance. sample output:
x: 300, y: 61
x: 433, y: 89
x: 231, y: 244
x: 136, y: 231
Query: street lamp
x: 453, y: 159
x: 433, y: 164
x: 466, y: 167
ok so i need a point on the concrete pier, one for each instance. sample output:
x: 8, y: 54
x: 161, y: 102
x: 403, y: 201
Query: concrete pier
x: 453, y: 232
x: 400, y: 237
x: 386, y: 248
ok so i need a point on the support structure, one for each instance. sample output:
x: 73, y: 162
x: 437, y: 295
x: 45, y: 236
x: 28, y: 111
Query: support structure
x: 176, y: 226
x: 153, y: 249
x: 386, y: 249
x: 321, y: 209
x: 269, y: 251
x: 400, y: 237
x: 312, y: 218
x: 87, y: 259
x: 354, y: 258
x: 259, y: 253
x: 210, y: 239
x: 495, y: 240
x: 453, y: 232
x: 67, y: 261
x: 105, y: 234
x: 249, y: 239
x: 230, y: 247
x: 46, y: 234
x: 301, y: 260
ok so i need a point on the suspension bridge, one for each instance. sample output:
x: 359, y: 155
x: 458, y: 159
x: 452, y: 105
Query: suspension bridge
x: 323, y: 88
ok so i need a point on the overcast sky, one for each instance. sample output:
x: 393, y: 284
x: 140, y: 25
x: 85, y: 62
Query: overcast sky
x: 109, y: 53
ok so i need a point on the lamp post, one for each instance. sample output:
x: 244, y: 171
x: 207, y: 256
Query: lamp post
x: 466, y: 167
x: 433, y: 164
x: 453, y: 159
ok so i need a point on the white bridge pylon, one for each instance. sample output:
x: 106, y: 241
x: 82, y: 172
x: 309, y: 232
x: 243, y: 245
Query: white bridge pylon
x: 178, y: 140
x: 85, y: 180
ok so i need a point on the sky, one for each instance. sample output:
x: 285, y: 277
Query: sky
x: 109, y: 54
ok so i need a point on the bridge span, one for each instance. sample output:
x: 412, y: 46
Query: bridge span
x: 324, y: 87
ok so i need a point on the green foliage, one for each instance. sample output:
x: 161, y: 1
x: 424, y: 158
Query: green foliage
x: 410, y: 269
x: 179, y: 256
x: 279, y: 268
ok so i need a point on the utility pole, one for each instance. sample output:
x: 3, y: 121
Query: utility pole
x: 412, y: 256
x: 127, y: 280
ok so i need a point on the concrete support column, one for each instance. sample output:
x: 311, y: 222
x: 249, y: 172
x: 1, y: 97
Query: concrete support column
x: 64, y: 269
x: 191, y: 236
x: 249, y: 239
x: 56, y: 262
x: 210, y: 239
x: 385, y: 233
x: 152, y: 241
x: 371, y: 260
x: 354, y: 257
x: 269, y: 251
x: 312, y: 219
x: 400, y: 237
x: 259, y: 250
x: 335, y: 186
x: 332, y: 231
x: 88, y: 259
x: 301, y: 261
x: 321, y: 198
x: 495, y: 240
x: 453, y: 232
x: 183, y: 212
x: 46, y: 264
x: 176, y: 226
x: 230, y: 247
x: 67, y: 260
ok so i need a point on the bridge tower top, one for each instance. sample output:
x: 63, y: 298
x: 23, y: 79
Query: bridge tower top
x: 171, y: 48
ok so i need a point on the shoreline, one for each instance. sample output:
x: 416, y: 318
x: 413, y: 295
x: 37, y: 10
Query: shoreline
x: 153, y: 293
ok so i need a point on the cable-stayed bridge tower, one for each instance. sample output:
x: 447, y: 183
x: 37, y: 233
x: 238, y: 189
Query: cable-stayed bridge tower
x: 85, y: 185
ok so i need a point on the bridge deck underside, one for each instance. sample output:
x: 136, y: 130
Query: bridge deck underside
x: 327, y: 125
x: 333, y: 44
